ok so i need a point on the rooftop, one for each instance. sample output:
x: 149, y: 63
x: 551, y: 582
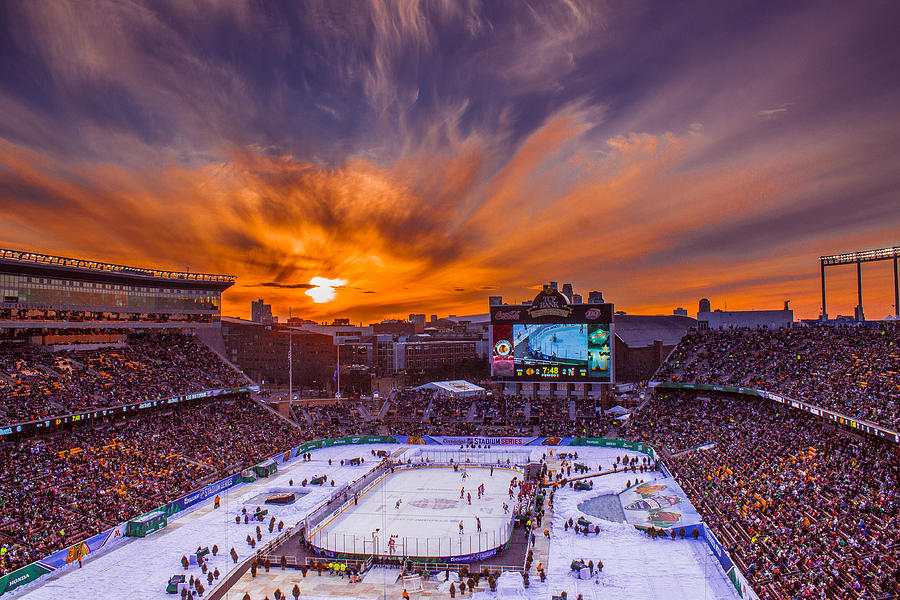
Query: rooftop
x: 80, y: 265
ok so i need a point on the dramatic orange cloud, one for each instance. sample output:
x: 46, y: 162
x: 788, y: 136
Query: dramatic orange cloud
x: 430, y: 155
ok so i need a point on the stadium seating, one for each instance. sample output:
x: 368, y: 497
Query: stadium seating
x: 58, y: 489
x: 35, y: 384
x: 851, y: 370
x: 805, y: 512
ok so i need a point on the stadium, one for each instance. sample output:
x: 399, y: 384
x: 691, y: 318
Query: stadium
x: 140, y: 462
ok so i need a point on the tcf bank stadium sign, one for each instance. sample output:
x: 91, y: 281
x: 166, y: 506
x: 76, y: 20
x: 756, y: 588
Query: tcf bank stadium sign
x: 549, y: 304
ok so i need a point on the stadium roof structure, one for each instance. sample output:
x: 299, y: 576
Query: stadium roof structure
x: 638, y: 331
x: 32, y: 263
x: 455, y: 387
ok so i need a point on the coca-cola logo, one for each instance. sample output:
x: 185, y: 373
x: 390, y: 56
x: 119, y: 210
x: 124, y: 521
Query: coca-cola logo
x: 592, y: 313
x: 507, y: 315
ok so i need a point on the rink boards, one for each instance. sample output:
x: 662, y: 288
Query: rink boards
x: 416, y: 511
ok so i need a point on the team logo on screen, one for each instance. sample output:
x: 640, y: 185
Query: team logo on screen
x: 592, y: 313
x: 503, y: 348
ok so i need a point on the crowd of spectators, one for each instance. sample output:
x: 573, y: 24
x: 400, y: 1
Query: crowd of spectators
x: 58, y: 489
x: 851, y: 370
x: 37, y: 384
x: 804, y: 511
x: 423, y: 412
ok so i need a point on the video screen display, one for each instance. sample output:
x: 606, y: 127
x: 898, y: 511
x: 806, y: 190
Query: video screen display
x: 552, y: 351
x: 549, y: 339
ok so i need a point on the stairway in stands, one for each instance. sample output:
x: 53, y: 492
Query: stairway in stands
x: 362, y: 411
x: 473, y: 412
x: 384, y: 410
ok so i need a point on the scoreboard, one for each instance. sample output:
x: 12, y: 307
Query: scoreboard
x: 552, y: 340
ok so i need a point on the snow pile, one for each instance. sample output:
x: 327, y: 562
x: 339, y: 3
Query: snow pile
x: 510, y: 585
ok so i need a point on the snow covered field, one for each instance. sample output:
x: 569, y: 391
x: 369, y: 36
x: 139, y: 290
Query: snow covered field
x: 426, y: 521
x: 635, y: 565
x: 140, y: 567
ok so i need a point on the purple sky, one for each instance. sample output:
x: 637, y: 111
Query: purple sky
x: 432, y: 153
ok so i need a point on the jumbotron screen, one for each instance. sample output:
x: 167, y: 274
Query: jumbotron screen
x: 553, y: 343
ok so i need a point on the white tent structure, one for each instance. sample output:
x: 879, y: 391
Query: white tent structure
x: 617, y: 410
x: 458, y: 388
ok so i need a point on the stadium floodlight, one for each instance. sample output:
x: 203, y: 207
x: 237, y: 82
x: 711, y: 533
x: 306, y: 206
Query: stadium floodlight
x: 857, y: 258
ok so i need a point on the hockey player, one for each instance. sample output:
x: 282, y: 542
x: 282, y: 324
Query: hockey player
x: 460, y: 528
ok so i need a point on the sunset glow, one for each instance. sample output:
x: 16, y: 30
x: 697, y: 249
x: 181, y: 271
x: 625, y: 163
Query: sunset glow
x: 324, y: 290
x: 372, y: 160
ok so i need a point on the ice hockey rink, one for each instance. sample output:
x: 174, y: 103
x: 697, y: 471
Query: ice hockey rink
x: 420, y: 509
x: 635, y: 566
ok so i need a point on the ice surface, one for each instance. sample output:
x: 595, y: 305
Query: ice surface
x: 426, y: 521
x: 635, y: 566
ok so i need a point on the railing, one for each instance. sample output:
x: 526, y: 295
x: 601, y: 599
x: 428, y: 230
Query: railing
x: 275, y: 559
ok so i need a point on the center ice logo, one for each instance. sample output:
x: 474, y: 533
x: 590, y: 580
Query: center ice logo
x: 434, y: 503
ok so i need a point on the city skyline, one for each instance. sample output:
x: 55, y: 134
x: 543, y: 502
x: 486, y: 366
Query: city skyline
x: 431, y: 155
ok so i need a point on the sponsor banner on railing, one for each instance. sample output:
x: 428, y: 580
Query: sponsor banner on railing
x: 665, y: 470
x: 474, y: 440
x: 741, y: 585
x: 731, y: 389
x: 22, y: 576
x: 79, y: 418
x: 357, y: 439
x: 717, y: 549
x: 28, y: 574
x: 104, y: 541
x: 209, y: 491
x: 614, y: 443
